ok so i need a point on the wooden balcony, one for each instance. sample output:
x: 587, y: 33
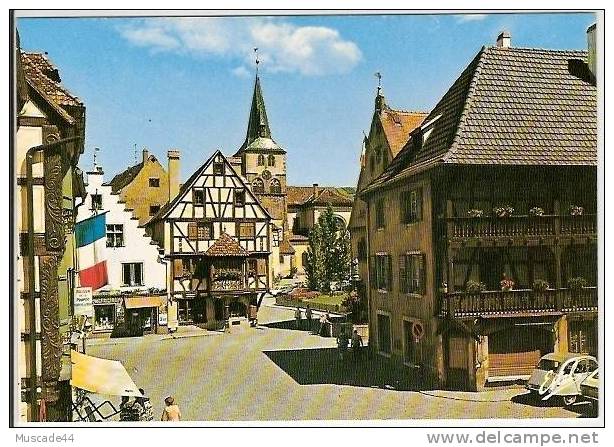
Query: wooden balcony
x: 518, y: 302
x: 521, y: 226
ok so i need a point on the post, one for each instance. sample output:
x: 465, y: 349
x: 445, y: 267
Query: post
x: 31, y: 286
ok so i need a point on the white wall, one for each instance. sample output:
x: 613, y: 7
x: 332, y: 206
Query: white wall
x: 137, y: 247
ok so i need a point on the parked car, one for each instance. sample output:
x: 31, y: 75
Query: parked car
x: 560, y: 375
x: 589, y: 388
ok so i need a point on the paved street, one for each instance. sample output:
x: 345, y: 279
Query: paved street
x: 277, y: 373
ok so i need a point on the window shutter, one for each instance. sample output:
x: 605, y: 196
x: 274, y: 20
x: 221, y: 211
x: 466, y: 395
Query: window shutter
x: 402, y: 275
x: 419, y: 204
x: 192, y: 231
x: 372, y: 273
x: 389, y: 273
x: 422, y: 264
x: 177, y: 268
x: 261, y: 266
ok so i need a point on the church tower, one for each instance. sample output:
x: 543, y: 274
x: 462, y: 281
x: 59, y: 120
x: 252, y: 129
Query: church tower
x: 263, y: 161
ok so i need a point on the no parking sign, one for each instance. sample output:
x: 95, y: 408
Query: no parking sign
x: 417, y: 330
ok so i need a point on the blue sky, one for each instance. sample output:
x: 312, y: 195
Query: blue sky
x: 187, y: 83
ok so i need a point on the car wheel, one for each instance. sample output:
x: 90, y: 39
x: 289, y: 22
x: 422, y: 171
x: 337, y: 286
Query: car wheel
x: 569, y: 400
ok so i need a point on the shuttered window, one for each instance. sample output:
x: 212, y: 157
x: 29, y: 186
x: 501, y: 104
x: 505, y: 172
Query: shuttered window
x: 382, y: 273
x: 411, y: 206
x: 411, y: 273
x: 200, y: 231
x: 380, y: 216
x: 177, y: 268
x: 246, y: 230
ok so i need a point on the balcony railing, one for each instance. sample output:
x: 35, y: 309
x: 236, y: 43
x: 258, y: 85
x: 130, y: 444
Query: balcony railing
x: 506, y: 303
x: 514, y: 226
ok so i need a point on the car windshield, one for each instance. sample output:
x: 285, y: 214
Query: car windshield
x: 548, y: 365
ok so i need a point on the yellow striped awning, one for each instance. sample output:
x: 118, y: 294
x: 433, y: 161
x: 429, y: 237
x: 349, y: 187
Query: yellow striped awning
x: 101, y: 376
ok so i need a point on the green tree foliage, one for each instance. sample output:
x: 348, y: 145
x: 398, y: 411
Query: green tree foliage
x: 328, y: 254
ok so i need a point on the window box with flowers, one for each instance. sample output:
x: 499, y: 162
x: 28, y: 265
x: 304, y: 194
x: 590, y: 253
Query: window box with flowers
x: 474, y: 287
x: 507, y: 284
x: 475, y: 212
x: 503, y: 211
x: 536, y: 211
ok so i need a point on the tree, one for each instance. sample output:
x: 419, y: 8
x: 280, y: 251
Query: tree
x: 328, y: 254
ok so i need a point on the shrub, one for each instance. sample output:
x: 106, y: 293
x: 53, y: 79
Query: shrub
x: 576, y: 210
x: 475, y: 287
x: 576, y: 283
x: 540, y: 285
x: 475, y: 213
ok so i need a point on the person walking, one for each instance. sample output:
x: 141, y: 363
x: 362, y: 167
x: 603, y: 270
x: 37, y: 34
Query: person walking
x: 356, y: 344
x: 171, y: 411
x: 145, y: 408
x: 323, y: 323
x: 309, y: 316
x: 297, y: 317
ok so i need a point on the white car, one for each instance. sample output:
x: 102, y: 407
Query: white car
x: 561, y: 375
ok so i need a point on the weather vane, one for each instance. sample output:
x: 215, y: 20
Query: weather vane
x: 96, y: 149
x: 257, y: 60
x: 378, y: 75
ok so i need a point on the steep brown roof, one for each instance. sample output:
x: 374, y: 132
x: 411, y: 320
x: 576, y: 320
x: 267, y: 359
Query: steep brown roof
x: 39, y: 69
x: 397, y: 125
x: 226, y: 246
x: 125, y: 177
x: 510, y: 106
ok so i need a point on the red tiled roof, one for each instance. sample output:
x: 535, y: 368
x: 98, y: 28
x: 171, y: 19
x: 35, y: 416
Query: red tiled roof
x: 39, y: 69
x: 226, y: 246
x: 398, y: 124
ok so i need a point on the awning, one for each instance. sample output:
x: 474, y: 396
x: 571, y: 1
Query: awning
x: 137, y: 302
x: 101, y: 376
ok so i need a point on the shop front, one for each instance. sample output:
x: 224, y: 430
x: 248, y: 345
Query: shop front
x: 141, y: 313
x: 108, y: 312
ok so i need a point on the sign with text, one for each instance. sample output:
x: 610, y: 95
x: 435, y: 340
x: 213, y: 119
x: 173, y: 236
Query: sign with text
x: 83, y: 301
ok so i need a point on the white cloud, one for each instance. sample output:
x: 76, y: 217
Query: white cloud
x: 282, y: 46
x: 241, y: 72
x: 470, y: 17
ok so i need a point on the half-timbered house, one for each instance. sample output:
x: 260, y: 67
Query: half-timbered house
x: 216, y: 238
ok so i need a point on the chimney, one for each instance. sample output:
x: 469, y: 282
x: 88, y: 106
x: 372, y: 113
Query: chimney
x: 315, y: 189
x: 592, y: 50
x: 504, y: 40
x: 145, y: 155
x: 173, y: 174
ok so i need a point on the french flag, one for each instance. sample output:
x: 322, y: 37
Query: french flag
x: 90, y: 236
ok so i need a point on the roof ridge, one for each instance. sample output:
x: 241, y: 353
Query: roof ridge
x: 467, y: 103
x: 407, y: 112
x: 534, y: 49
